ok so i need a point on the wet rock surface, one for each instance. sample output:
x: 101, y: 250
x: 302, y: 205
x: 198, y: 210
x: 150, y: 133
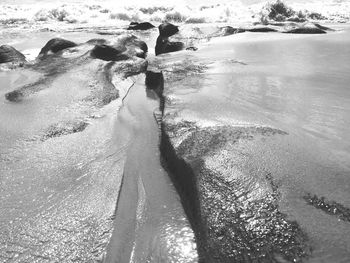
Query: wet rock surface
x: 10, y: 54
x: 233, y: 209
x: 167, y: 29
x: 232, y: 200
x: 140, y: 26
x: 165, y: 46
x: 236, y: 217
x: 306, y: 30
x: 107, y: 53
x: 55, y: 45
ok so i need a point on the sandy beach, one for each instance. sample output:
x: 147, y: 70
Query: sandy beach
x: 220, y: 137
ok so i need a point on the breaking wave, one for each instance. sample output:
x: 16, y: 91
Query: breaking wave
x: 106, y: 12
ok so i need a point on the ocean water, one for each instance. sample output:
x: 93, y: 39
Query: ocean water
x: 104, y: 12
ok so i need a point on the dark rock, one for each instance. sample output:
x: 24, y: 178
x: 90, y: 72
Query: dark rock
x: 10, y: 54
x: 323, y: 27
x: 142, y: 45
x: 306, y: 30
x: 133, y: 46
x: 167, y: 29
x: 14, y: 96
x: 192, y: 48
x: 165, y: 46
x: 261, y: 29
x: 61, y: 129
x: 55, y: 45
x: 232, y: 223
x: 107, y: 53
x: 296, y: 19
x: 140, y: 26
x: 153, y: 79
x: 96, y: 41
x: 329, y: 207
x: 228, y: 30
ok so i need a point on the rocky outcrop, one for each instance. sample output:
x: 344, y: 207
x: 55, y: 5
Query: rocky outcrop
x: 10, y: 54
x: 163, y: 45
x: 323, y: 27
x: 229, y: 30
x: 167, y: 29
x: 305, y: 30
x: 107, y: 53
x: 155, y: 81
x: 55, y: 45
x: 261, y: 29
x: 140, y: 26
x: 236, y: 219
x: 101, y: 62
x: 233, y: 203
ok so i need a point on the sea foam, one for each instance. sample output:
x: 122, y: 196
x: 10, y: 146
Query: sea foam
x: 107, y: 12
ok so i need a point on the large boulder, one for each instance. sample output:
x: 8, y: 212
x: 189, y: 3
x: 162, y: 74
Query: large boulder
x: 167, y: 29
x: 10, y: 54
x: 163, y: 45
x: 107, y: 53
x: 55, y: 45
x: 140, y: 26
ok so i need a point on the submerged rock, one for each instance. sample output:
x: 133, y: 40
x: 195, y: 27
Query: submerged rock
x: 55, y: 45
x: 140, y: 26
x: 10, y: 54
x: 167, y: 29
x: 107, y: 53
